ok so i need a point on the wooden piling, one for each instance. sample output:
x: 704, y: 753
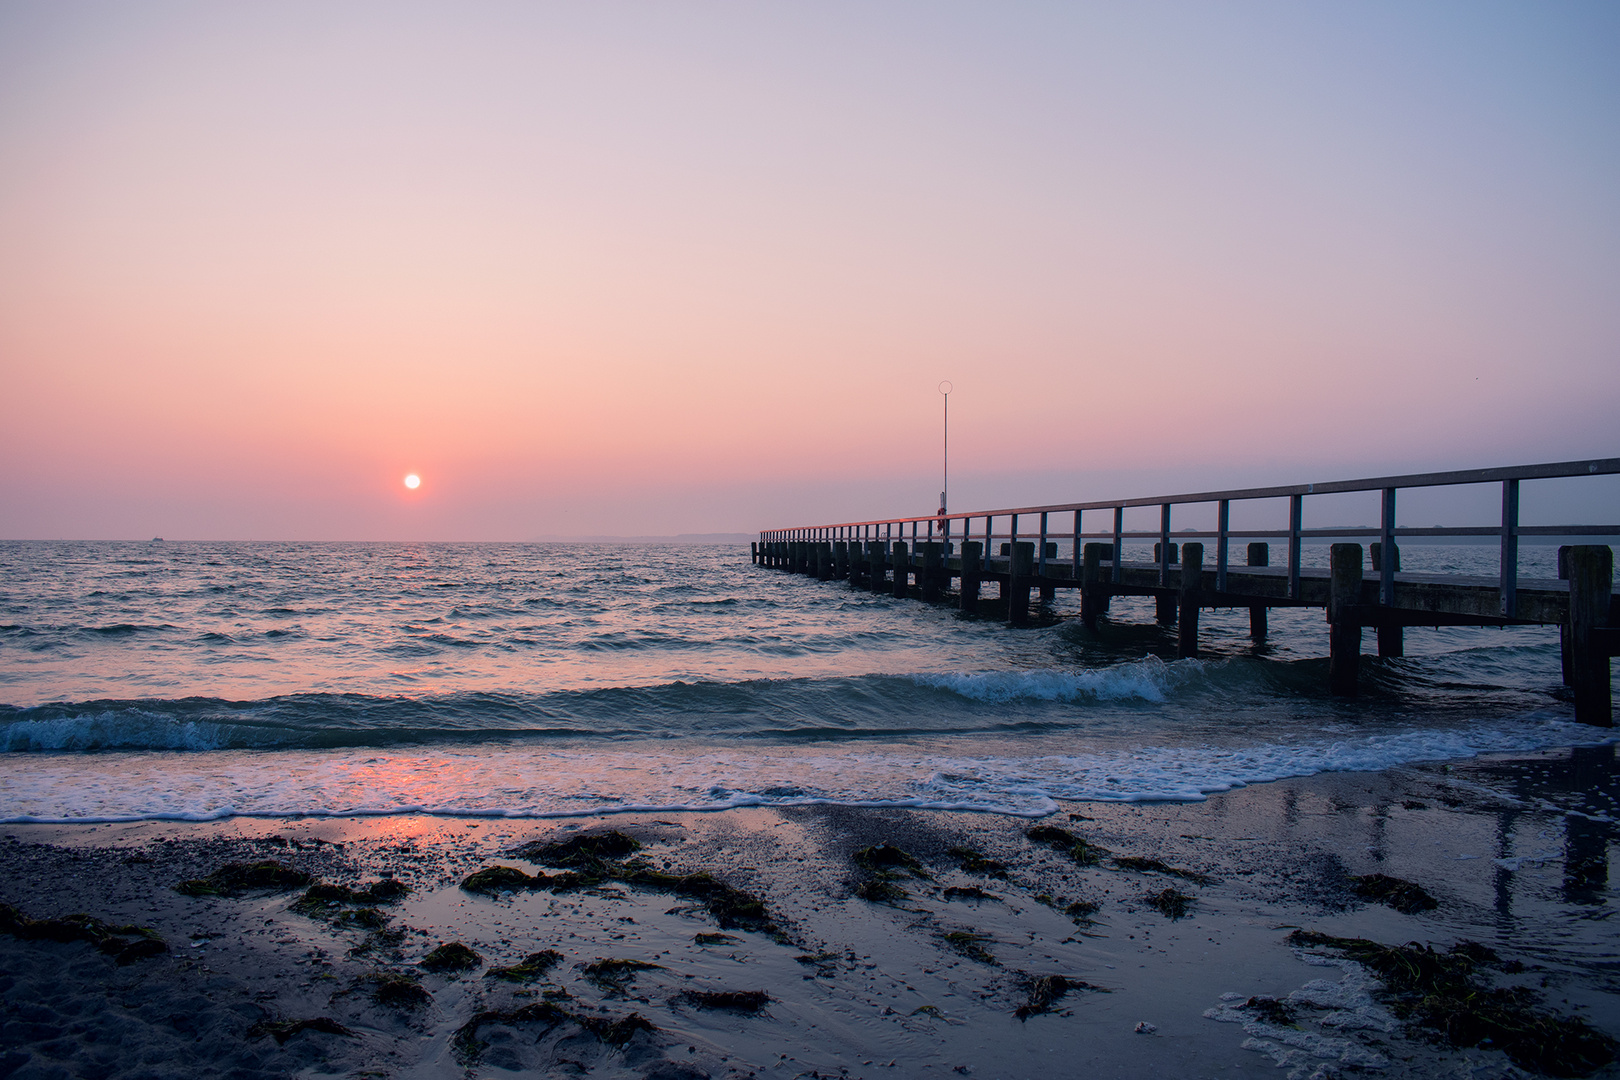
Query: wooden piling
x: 1591, y: 586
x: 931, y: 578
x: 1344, y: 619
x: 877, y: 573
x: 1093, y: 597
x: 1563, y: 627
x: 902, y: 570
x: 825, y: 571
x: 972, y: 563
x: 1391, y: 637
x: 1020, y: 568
x: 1259, y: 555
x: 1191, y: 592
x: 840, y: 560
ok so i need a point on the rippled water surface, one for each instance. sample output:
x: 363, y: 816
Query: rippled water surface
x: 198, y: 680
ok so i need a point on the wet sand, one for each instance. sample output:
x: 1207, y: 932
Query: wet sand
x: 1516, y: 853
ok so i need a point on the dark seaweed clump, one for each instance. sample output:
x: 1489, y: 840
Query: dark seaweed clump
x: 879, y: 891
x: 395, y: 990
x: 125, y: 944
x: 453, y: 956
x: 468, y: 1046
x: 615, y: 1032
x: 286, y: 1029
x: 1403, y: 896
x: 971, y: 945
x: 1081, y: 850
x: 595, y: 860
x: 1137, y: 863
x: 530, y: 968
x: 1445, y: 993
x: 233, y: 879
x: 968, y: 892
x: 975, y: 862
x: 614, y: 975
x: 888, y: 860
x: 1045, y: 991
x: 749, y: 1001
x: 1170, y: 903
x: 322, y: 897
x: 1270, y: 1010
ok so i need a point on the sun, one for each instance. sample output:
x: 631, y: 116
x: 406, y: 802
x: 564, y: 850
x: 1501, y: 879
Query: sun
x: 413, y: 481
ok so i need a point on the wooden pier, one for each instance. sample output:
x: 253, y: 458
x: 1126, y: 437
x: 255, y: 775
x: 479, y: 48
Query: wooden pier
x: 951, y: 557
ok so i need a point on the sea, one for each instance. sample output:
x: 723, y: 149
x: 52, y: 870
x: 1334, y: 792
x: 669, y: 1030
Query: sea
x: 198, y: 681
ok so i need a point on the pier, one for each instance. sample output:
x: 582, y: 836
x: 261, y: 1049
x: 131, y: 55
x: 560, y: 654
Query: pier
x: 952, y: 557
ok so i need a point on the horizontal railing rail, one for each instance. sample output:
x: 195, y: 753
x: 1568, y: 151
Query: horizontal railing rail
x: 940, y: 527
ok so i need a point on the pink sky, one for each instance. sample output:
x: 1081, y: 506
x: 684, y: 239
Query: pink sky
x: 608, y: 268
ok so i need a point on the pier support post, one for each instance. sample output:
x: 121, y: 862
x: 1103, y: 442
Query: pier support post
x: 1344, y: 623
x: 1192, y: 582
x: 1164, y: 604
x: 932, y: 574
x: 1020, y: 568
x: 877, y: 574
x: 840, y: 560
x: 1259, y: 555
x: 1093, y: 597
x: 753, y: 552
x: 1591, y: 586
x: 1391, y: 638
x: 972, y: 563
x: 902, y: 570
x: 824, y: 561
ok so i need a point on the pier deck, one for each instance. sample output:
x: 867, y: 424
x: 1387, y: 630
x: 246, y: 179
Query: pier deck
x: 935, y: 566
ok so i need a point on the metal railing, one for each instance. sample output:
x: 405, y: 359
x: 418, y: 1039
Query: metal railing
x: 934, y: 527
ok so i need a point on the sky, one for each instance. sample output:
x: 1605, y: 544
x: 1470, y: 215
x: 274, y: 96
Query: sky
x: 636, y: 268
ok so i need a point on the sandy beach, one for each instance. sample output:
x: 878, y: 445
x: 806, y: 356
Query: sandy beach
x: 889, y: 942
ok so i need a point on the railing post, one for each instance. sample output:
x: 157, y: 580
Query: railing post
x: 1040, y: 559
x: 1074, y: 554
x: 1119, y: 544
x: 1386, y: 537
x: 1296, y: 522
x: 1164, y: 546
x: 1223, y: 526
x: 989, y: 538
x: 1510, y: 549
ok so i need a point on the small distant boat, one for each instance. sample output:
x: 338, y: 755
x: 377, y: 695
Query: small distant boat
x: 157, y: 539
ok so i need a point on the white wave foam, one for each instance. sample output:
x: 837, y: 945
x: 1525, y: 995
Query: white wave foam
x: 1026, y: 777
x: 1148, y: 679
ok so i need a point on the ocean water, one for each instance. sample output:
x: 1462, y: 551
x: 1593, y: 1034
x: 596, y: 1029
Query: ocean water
x: 203, y: 680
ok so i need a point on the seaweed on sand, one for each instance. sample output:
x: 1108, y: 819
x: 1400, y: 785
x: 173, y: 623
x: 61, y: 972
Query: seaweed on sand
x: 731, y: 907
x: 453, y: 956
x: 972, y: 861
x: 615, y: 1032
x: 1170, y: 903
x: 396, y: 990
x: 1444, y: 993
x: 749, y: 1001
x: 584, y: 852
x: 881, y: 891
x: 969, y: 892
x: 283, y: 1030
x: 1046, y: 991
x: 233, y: 879
x: 886, y: 860
x: 322, y: 898
x: 125, y: 944
x: 468, y: 1046
x: 1081, y: 850
x: 529, y: 968
x: 1143, y: 865
x: 614, y: 975
x: 1404, y: 896
x: 971, y: 945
